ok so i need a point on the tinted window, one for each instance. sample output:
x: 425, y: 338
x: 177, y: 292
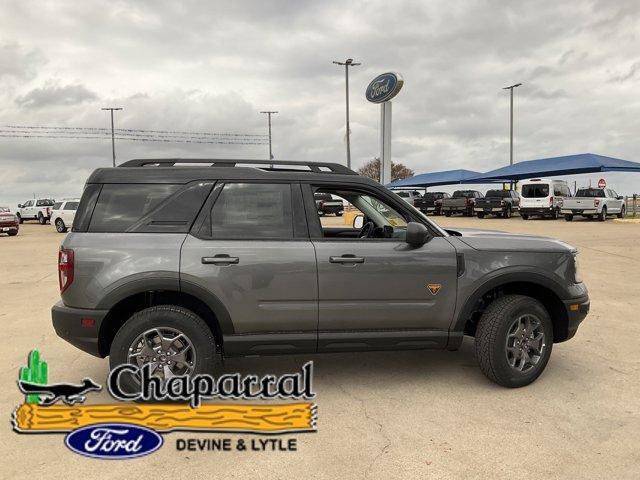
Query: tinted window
x: 29, y: 203
x: 499, y: 193
x: 44, y: 203
x: 120, y: 206
x: 590, y: 192
x: 463, y: 193
x: 535, y: 190
x: 70, y: 206
x: 56, y: 206
x: 253, y: 210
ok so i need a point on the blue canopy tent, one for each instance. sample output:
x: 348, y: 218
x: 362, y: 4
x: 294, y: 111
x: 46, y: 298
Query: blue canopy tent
x: 424, y: 180
x: 549, y: 167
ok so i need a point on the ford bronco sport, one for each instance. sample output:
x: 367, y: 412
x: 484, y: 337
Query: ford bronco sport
x: 174, y: 265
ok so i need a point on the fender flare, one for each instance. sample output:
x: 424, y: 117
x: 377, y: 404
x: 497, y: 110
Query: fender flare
x: 169, y: 282
x: 504, y: 278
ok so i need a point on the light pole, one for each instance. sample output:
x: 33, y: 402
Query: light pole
x: 269, y: 113
x: 347, y: 63
x: 511, y: 122
x: 113, y: 142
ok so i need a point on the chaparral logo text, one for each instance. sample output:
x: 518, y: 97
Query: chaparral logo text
x: 113, y: 441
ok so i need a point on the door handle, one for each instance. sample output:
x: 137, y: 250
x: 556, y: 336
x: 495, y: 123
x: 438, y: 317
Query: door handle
x: 346, y: 259
x: 222, y: 259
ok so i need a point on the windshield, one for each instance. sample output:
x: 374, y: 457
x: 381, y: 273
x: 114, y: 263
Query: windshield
x: 590, y: 192
x: 535, y: 190
x: 4, y: 210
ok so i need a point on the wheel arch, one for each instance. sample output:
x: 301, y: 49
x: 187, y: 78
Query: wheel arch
x: 547, y: 291
x: 203, y: 304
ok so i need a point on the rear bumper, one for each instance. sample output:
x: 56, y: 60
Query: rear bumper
x: 67, y: 323
x: 537, y: 210
x: 577, y: 310
x: 586, y: 211
x: 489, y: 209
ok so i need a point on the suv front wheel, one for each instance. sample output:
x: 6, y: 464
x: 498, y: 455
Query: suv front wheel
x: 173, y: 340
x: 514, y: 340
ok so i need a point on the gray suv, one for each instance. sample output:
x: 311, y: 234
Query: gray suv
x: 175, y: 265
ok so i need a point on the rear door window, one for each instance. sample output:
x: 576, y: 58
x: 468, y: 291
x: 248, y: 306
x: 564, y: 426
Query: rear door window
x: 253, y: 211
x: 535, y: 190
x: 119, y: 206
x: 70, y: 206
x: 56, y: 206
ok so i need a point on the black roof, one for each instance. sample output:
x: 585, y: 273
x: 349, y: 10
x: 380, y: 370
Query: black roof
x: 174, y: 170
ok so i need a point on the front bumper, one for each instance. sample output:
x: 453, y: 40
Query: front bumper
x: 577, y: 310
x: 68, y: 324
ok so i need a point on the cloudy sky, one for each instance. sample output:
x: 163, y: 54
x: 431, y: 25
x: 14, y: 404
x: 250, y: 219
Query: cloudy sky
x: 212, y: 66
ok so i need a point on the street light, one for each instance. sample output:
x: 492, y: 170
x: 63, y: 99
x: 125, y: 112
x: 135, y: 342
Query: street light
x: 347, y: 63
x: 269, y: 113
x: 511, y: 122
x: 113, y: 142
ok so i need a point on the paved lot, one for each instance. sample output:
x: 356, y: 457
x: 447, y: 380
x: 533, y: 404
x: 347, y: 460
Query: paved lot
x: 382, y: 415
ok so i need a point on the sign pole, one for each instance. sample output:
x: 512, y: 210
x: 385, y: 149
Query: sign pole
x: 385, y: 142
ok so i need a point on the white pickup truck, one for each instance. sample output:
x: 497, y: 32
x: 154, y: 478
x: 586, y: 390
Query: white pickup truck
x: 593, y: 202
x: 39, y: 209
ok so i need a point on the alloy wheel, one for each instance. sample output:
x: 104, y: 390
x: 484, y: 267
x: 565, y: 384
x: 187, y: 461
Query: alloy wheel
x: 168, y: 351
x: 525, y: 343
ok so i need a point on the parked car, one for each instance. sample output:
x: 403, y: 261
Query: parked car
x: 9, y: 223
x: 409, y: 196
x: 501, y: 203
x: 173, y: 267
x: 462, y: 201
x: 325, y: 204
x: 594, y: 202
x: 542, y: 197
x: 39, y: 209
x: 63, y: 213
x: 431, y: 202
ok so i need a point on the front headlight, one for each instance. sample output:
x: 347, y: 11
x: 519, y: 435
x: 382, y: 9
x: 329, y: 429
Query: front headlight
x: 576, y: 271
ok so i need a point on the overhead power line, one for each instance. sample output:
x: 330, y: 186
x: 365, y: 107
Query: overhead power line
x: 134, y: 135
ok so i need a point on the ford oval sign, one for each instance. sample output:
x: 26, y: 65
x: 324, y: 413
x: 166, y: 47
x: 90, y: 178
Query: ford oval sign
x: 384, y: 87
x: 113, y: 441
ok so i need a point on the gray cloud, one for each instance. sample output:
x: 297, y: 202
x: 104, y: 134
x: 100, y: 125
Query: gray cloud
x: 18, y: 62
x: 52, y: 94
x: 212, y: 66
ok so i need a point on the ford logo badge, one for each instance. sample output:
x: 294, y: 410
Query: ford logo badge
x: 113, y: 441
x: 384, y: 87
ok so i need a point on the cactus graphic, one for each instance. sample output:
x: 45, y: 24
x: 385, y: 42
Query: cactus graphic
x: 37, y: 371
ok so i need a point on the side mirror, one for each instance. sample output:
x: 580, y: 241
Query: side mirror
x: 20, y: 205
x: 417, y: 234
x: 358, y: 221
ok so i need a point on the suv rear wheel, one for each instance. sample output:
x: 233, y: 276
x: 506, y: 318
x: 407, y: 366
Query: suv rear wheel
x: 173, y: 340
x: 41, y: 219
x: 514, y: 340
x: 603, y: 214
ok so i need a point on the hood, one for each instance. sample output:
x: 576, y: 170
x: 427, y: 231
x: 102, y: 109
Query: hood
x: 495, y: 241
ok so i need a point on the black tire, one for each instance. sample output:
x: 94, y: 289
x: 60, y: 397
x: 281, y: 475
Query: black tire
x: 447, y: 214
x: 19, y: 218
x: 555, y: 214
x: 60, y: 226
x: 524, y: 216
x: 492, y: 334
x: 187, y: 322
x: 480, y: 214
x: 603, y: 214
x: 622, y: 212
x: 568, y: 217
x: 41, y: 219
x: 12, y: 234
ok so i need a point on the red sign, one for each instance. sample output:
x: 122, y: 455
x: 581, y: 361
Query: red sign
x: 602, y: 183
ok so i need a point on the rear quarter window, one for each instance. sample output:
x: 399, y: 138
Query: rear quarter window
x: 119, y: 206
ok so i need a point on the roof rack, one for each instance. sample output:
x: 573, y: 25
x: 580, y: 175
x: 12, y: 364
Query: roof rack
x: 273, y: 165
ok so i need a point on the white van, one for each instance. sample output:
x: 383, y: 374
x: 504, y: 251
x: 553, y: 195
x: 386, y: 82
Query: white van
x: 543, y: 197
